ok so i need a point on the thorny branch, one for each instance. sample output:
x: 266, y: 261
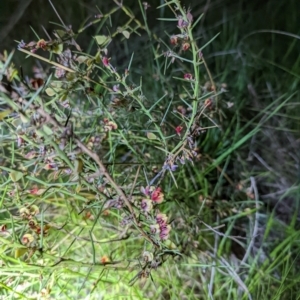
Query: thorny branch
x: 102, y: 170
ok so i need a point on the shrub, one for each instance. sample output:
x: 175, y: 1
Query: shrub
x: 96, y: 151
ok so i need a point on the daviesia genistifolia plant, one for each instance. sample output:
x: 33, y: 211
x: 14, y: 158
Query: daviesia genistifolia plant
x: 93, y: 152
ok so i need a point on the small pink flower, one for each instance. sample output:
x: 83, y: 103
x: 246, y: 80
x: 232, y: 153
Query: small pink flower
x: 30, y: 154
x: 146, y: 205
x: 105, y: 61
x: 116, y: 87
x: 188, y: 76
x: 178, y: 129
x: 164, y: 231
x: 164, y: 236
x: 3, y: 228
x: 68, y: 171
x: 185, y: 46
x: 41, y: 44
x: 51, y: 166
x: 34, y: 191
x: 161, y: 219
x: 146, y: 190
x: 182, y: 23
x: 208, y: 102
x: 166, y: 228
x: 59, y: 73
x: 157, y: 196
x: 20, y: 141
x: 21, y: 45
x: 189, y: 16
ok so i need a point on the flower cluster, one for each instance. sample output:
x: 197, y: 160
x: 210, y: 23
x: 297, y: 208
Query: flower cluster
x: 33, y: 46
x: 161, y: 226
x: 181, y: 40
x: 153, y: 196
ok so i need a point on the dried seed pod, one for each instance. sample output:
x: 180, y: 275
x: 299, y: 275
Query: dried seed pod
x: 27, y: 239
x: 147, y: 256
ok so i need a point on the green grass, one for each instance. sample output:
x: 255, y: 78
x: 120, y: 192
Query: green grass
x: 233, y: 210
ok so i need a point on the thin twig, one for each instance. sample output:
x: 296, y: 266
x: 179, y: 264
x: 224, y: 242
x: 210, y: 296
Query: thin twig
x: 95, y: 157
x: 62, y: 67
x: 103, y: 171
x: 255, y: 228
x: 234, y: 238
x: 135, y: 180
x: 236, y: 277
x: 60, y: 19
x: 213, y: 269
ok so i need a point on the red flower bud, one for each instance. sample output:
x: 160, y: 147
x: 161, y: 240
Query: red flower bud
x: 185, y: 46
x: 174, y: 40
x: 188, y: 76
x: 105, y: 61
x: 178, y: 129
